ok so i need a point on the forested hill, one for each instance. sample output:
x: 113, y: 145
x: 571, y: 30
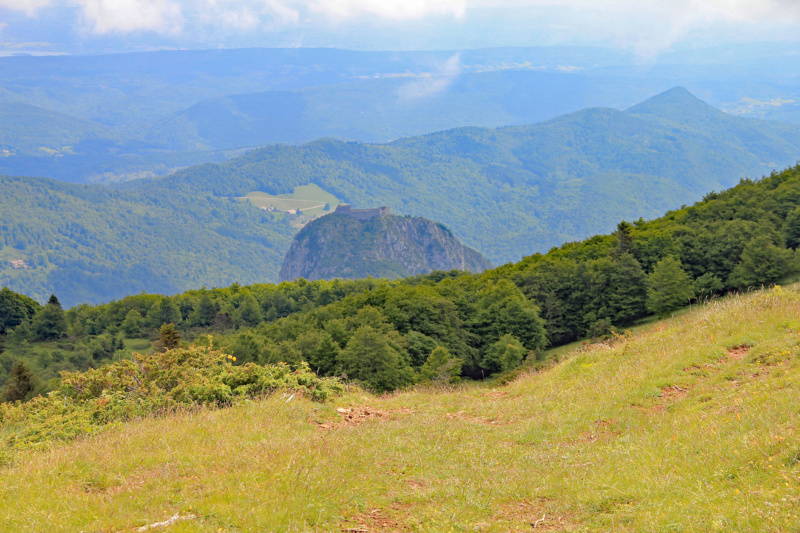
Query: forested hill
x: 91, y: 244
x: 507, y: 192
x: 390, y: 334
x: 516, y: 190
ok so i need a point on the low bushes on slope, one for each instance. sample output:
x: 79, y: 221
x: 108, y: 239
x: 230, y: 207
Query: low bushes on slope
x: 146, y: 385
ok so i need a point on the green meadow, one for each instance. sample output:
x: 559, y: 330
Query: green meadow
x: 686, y: 424
x: 309, y: 199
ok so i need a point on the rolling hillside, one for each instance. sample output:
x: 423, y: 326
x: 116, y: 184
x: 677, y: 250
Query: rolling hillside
x: 30, y: 130
x: 89, y: 244
x: 512, y: 191
x: 376, y: 110
x: 505, y: 192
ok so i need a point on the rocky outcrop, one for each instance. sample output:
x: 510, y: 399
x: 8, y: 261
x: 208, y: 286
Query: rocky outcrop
x: 382, y: 246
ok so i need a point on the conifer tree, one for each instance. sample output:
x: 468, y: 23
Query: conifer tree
x: 50, y: 323
x: 20, y: 384
x: 204, y: 313
x: 624, y: 240
x: 168, y: 338
x: 627, y: 290
x: 327, y: 354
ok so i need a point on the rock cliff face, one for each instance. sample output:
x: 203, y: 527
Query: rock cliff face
x: 384, y: 246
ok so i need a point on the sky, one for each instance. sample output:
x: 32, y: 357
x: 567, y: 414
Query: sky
x: 646, y: 28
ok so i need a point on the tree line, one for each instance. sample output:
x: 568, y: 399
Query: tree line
x: 450, y: 325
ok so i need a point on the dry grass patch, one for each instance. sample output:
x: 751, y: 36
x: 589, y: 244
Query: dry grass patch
x: 535, y: 514
x: 374, y: 520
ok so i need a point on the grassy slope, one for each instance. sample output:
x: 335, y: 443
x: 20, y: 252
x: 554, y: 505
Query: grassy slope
x: 667, y: 430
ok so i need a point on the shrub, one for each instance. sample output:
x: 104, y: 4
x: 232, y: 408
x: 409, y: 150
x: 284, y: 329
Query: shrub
x: 147, y: 385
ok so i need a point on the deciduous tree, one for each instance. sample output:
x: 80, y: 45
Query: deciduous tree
x: 670, y: 287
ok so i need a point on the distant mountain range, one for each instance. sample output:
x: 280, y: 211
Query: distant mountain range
x: 507, y: 192
x: 129, y: 116
x: 512, y: 191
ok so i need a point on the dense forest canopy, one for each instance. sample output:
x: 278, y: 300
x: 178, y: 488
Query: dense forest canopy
x: 91, y: 244
x: 391, y: 334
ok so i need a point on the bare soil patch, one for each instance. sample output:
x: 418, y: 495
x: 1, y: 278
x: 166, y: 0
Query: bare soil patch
x: 673, y: 393
x: 352, y: 416
x: 737, y: 353
x: 375, y: 520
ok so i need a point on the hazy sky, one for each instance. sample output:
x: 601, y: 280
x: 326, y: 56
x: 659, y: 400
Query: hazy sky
x: 644, y: 27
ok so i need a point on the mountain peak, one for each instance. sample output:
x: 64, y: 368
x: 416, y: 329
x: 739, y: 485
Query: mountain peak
x: 677, y: 105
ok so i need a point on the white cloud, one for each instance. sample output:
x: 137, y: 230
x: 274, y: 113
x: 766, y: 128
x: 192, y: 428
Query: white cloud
x: 434, y: 83
x: 28, y: 6
x: 647, y: 26
x: 107, y: 16
x: 388, y: 9
x: 166, y: 16
x: 247, y: 14
x: 651, y: 26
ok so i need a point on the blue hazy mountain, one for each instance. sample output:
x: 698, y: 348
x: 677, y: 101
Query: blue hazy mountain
x: 145, y: 114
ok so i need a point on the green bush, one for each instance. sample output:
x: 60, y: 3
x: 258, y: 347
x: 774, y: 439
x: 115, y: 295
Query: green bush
x: 147, y: 385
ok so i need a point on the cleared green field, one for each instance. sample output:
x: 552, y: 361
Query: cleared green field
x: 688, y: 425
x: 309, y: 199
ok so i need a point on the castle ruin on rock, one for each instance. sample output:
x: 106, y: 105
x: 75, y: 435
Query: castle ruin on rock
x: 362, y: 214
